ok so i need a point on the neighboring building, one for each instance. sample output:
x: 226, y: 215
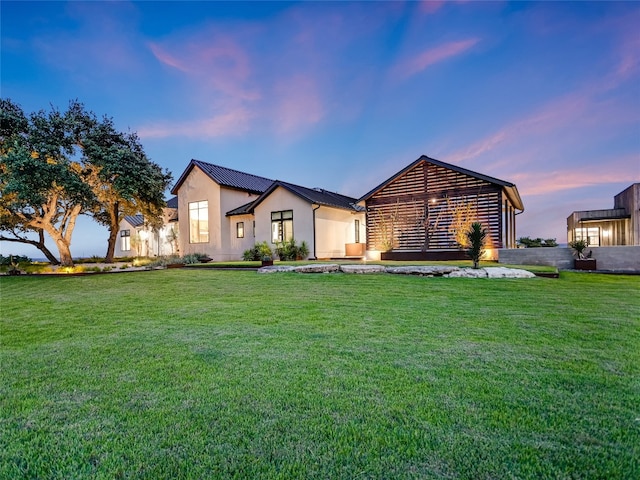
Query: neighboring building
x: 420, y: 212
x: 137, y: 239
x: 617, y: 226
x: 223, y: 212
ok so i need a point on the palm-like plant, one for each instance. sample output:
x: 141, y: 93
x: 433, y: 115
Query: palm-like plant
x: 476, y: 235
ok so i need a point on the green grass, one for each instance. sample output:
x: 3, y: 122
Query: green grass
x: 231, y: 374
x: 457, y: 263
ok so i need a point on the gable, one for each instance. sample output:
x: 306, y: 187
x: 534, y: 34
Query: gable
x: 436, y: 177
x: 225, y: 177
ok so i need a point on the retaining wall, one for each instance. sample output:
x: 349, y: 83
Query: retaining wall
x: 623, y: 259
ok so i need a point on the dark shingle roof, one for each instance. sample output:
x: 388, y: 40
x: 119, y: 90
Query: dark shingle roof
x: 135, y: 220
x: 241, y: 210
x: 226, y: 177
x: 317, y: 196
x: 172, y: 202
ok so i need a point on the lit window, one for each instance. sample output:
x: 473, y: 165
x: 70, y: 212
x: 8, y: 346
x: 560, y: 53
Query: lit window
x: 240, y: 229
x: 357, y: 231
x: 591, y: 235
x: 199, y: 222
x: 281, y: 226
x: 125, y: 240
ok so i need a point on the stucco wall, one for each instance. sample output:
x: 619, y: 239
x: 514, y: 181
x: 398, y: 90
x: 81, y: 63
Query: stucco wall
x: 334, y: 228
x: 195, y: 188
x: 620, y: 258
x: 279, y: 200
x: 238, y: 245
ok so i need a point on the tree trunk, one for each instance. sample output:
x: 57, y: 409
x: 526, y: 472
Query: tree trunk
x: 39, y: 244
x: 65, y: 252
x: 114, y: 225
x: 111, y: 245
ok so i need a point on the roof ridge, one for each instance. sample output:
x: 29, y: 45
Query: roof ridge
x: 195, y: 160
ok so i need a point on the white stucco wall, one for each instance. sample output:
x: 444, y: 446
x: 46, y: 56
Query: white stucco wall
x: 223, y: 244
x: 238, y: 245
x: 279, y: 200
x: 334, y: 228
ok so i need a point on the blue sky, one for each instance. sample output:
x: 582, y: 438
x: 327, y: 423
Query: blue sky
x: 342, y: 95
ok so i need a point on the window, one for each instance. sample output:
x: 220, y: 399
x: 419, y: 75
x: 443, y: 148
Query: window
x: 240, y: 229
x: 125, y: 240
x: 357, y: 231
x: 591, y: 235
x: 199, y: 222
x: 281, y: 226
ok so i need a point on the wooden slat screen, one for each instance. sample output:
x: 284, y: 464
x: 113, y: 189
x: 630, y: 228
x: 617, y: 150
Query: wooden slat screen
x: 424, y: 200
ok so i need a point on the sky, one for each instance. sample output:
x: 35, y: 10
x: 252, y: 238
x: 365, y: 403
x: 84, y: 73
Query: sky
x: 342, y: 95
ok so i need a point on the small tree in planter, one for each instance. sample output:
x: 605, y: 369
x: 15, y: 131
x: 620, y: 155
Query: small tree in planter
x: 476, y: 236
x: 582, y: 262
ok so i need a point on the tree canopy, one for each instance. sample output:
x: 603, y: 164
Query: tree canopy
x: 55, y: 166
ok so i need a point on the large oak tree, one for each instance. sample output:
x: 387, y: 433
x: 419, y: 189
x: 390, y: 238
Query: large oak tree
x: 55, y: 166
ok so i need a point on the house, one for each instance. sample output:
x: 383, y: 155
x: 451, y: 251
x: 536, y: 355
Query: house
x: 423, y: 211
x: 224, y: 212
x: 137, y: 238
x: 333, y: 225
x: 619, y: 225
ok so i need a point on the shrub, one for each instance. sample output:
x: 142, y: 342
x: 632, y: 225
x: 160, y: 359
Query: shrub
x: 476, y: 235
x: 537, y: 242
x: 290, y: 251
x: 191, y: 258
x: 260, y: 251
x: 6, y: 261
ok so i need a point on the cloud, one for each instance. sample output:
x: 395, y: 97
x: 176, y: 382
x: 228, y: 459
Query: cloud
x: 298, y: 103
x: 211, y: 59
x: 608, y: 171
x: 231, y: 123
x: 418, y: 63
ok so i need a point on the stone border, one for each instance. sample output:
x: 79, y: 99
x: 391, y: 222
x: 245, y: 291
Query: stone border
x: 423, y: 271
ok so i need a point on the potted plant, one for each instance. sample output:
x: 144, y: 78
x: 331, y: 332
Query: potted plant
x: 582, y: 261
x: 267, y: 260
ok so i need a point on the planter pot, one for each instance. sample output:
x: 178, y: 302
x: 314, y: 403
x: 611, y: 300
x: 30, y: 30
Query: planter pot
x: 267, y: 263
x: 584, y: 263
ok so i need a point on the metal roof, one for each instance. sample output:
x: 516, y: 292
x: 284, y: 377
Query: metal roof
x: 226, y: 177
x: 135, y: 220
x: 316, y: 196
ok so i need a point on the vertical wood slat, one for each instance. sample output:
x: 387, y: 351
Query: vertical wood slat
x: 399, y: 210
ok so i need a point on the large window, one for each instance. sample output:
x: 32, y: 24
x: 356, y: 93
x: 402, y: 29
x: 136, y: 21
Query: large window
x: 281, y: 226
x: 125, y: 240
x: 240, y: 229
x: 590, y: 234
x: 199, y: 222
x: 357, y: 231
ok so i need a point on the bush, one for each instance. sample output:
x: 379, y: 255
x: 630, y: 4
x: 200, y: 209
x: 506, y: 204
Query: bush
x: 476, y: 235
x: 259, y: 251
x: 537, y: 242
x: 290, y: 251
x: 11, y: 259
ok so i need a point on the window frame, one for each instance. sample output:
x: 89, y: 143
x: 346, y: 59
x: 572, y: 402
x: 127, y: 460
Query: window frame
x: 239, y: 229
x: 201, y: 222
x: 281, y: 226
x: 125, y: 240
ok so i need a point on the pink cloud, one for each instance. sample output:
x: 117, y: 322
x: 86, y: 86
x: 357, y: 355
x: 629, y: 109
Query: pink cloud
x: 233, y: 122
x: 298, y: 103
x: 217, y: 61
x: 608, y: 171
x: 429, y: 7
x: 429, y: 57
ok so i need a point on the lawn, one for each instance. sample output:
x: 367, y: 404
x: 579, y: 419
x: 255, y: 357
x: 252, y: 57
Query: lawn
x: 231, y: 374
